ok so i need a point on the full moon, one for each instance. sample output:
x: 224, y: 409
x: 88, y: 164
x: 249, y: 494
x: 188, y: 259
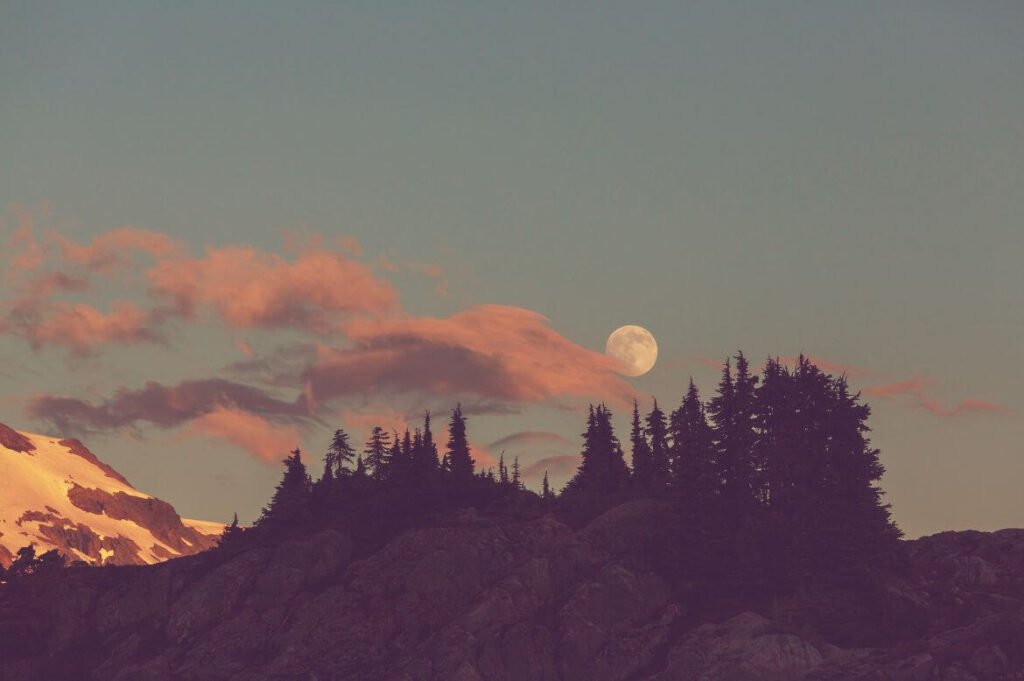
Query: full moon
x: 635, y: 349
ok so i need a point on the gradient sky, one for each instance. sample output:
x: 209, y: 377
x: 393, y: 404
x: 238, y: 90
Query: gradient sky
x: 840, y: 179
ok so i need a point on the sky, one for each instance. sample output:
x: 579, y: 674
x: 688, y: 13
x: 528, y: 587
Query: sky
x: 232, y: 227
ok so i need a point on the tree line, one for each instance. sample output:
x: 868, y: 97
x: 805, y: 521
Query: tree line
x: 773, y: 475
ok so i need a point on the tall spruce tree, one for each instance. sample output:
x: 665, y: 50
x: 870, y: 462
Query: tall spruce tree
x: 732, y: 413
x: 460, y: 461
x: 339, y: 453
x: 378, y: 453
x: 425, y: 462
x: 825, y: 509
x: 502, y: 470
x: 657, y: 432
x: 694, y: 472
x: 602, y: 468
x: 643, y: 467
x: 545, y: 488
x: 289, y: 506
x: 395, y: 453
x: 743, y: 437
x: 517, y: 480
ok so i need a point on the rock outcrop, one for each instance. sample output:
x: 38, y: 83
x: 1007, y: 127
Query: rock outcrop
x: 477, y: 598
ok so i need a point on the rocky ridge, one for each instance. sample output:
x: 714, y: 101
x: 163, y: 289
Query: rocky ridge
x: 478, y: 598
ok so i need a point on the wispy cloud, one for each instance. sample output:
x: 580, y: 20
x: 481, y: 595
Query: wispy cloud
x: 528, y: 438
x: 919, y: 387
x: 240, y: 286
x: 162, y: 406
x: 490, y: 351
x: 249, y: 288
x: 264, y: 439
x: 555, y: 466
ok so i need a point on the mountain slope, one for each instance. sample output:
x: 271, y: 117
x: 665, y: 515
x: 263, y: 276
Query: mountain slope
x: 477, y: 597
x: 56, y: 494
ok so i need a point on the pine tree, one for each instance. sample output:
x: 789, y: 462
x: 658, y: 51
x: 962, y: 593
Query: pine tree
x: 744, y: 437
x: 459, y: 459
x: 825, y: 509
x: 502, y: 471
x: 657, y: 431
x: 424, y: 451
x: 339, y: 453
x: 775, y: 422
x: 231, y: 533
x: 395, y: 454
x: 545, y: 488
x: 732, y: 412
x: 694, y: 475
x: 429, y: 448
x: 378, y: 453
x: 603, y: 468
x: 360, y: 471
x: 517, y: 481
x: 289, y: 506
x: 642, y: 465
x: 406, y: 446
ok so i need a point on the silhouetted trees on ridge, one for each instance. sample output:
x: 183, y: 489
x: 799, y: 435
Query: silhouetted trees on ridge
x: 774, y: 471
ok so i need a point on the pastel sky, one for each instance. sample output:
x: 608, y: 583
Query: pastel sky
x: 229, y: 227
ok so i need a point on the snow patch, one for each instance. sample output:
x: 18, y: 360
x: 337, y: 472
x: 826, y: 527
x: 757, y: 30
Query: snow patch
x: 42, y: 481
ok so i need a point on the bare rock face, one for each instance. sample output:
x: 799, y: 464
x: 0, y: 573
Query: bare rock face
x: 15, y: 441
x: 78, y: 449
x: 477, y: 598
x: 156, y: 515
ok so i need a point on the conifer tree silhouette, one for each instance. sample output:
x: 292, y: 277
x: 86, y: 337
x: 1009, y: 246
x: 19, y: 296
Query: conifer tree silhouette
x: 517, y: 481
x: 289, y: 506
x: 602, y: 468
x: 657, y: 432
x: 695, y: 478
x: 339, y: 453
x: 545, y: 488
x: 424, y: 451
x: 460, y: 461
x: 643, y: 471
x: 378, y: 453
x: 502, y: 471
x: 731, y: 413
x: 231, y: 532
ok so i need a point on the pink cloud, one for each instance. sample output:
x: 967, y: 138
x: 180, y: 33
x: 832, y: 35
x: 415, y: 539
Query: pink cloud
x: 912, y: 386
x: 250, y: 288
x: 938, y: 409
x: 165, y: 406
x: 363, y: 420
x: 244, y: 347
x: 112, y: 250
x: 483, y: 456
x: 917, y: 388
x: 256, y: 435
x: 529, y: 438
x: 555, y: 466
x: 83, y: 328
x: 240, y: 285
x: 24, y: 252
x: 490, y: 351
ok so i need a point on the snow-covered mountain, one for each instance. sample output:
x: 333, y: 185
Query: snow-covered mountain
x: 56, y: 494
